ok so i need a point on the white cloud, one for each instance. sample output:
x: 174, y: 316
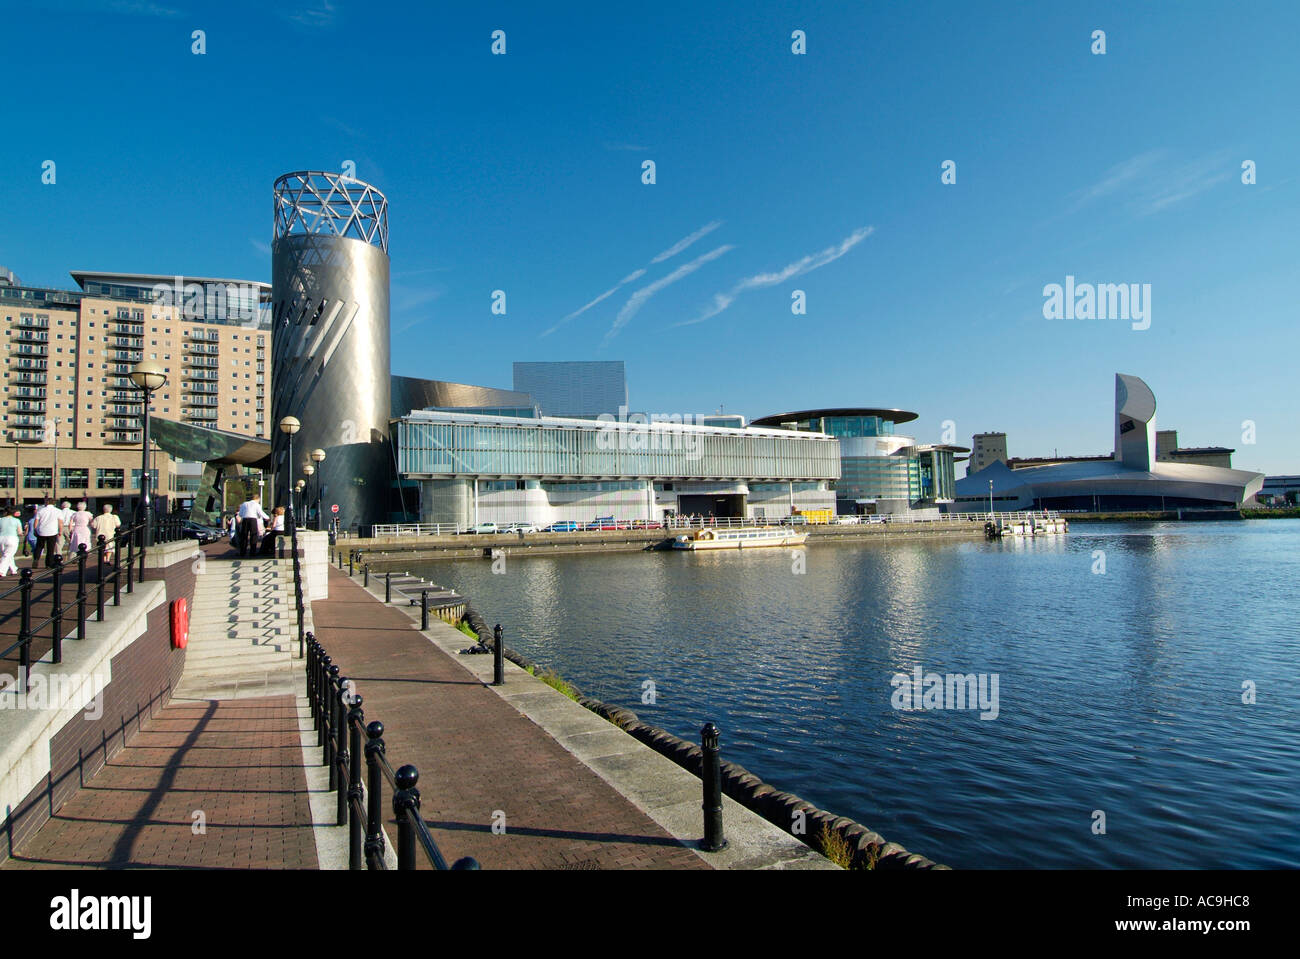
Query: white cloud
x: 639, y: 298
x: 807, y: 264
x: 637, y: 274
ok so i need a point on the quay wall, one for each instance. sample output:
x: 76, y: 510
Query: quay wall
x: 381, y: 552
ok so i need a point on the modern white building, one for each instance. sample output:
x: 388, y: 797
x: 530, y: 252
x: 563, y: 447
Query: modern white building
x: 474, y: 468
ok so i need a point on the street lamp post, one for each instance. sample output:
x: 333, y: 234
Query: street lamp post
x: 298, y: 487
x: 990, y: 499
x: 305, y: 502
x: 318, y: 457
x: 148, y: 376
x: 288, y: 426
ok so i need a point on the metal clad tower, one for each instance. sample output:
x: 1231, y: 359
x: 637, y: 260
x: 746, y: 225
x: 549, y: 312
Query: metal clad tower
x: 330, y: 348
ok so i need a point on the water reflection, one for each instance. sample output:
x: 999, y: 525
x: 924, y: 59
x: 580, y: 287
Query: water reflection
x: 1118, y: 691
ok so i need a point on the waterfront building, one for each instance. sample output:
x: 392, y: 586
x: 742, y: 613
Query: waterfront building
x: 1135, y: 477
x: 1279, y: 490
x: 987, y: 449
x: 71, y: 412
x: 881, y: 470
x: 476, y: 468
x: 580, y: 388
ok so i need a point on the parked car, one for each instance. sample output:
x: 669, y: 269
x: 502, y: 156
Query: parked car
x: 646, y: 524
x: 795, y: 520
x: 204, y: 534
x: 483, y: 528
x: 518, y: 528
x: 877, y: 519
x: 847, y: 520
x: 563, y: 527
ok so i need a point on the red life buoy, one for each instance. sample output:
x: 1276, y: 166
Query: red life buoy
x: 180, y: 617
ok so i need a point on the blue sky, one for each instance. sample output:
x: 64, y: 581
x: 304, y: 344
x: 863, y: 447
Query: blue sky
x: 819, y: 172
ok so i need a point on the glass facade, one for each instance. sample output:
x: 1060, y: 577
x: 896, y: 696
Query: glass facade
x: 452, y: 445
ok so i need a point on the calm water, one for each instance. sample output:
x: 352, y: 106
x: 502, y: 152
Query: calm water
x: 1120, y: 692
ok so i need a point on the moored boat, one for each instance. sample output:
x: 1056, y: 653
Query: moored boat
x: 742, y: 537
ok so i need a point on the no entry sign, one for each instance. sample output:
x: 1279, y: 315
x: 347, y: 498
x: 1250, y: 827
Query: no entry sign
x: 335, y: 508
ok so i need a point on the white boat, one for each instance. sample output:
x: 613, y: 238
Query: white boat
x: 1032, y: 526
x: 741, y: 537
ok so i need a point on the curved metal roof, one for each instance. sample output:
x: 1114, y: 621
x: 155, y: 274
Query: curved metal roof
x: 894, y: 416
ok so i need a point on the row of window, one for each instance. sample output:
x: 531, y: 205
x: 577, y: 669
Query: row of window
x: 72, y: 478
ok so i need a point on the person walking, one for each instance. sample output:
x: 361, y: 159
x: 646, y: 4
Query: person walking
x: 29, y: 535
x: 276, y: 529
x: 79, y: 529
x: 65, y: 524
x: 49, y: 526
x: 250, y: 518
x: 11, y: 529
x: 105, y: 525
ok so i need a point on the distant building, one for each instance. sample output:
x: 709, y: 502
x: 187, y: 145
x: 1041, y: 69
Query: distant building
x: 585, y: 389
x: 1136, y: 477
x: 880, y: 471
x: 1279, y: 490
x: 1168, y: 450
x: 987, y: 449
x: 473, y: 468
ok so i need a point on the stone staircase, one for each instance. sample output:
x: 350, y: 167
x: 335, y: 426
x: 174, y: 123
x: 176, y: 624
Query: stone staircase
x: 243, y: 632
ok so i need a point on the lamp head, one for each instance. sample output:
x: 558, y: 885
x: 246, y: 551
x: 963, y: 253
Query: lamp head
x: 308, y: 469
x: 318, y: 455
x: 148, y: 375
x: 290, y: 425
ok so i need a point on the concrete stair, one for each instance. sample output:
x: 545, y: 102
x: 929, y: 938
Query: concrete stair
x: 243, y: 638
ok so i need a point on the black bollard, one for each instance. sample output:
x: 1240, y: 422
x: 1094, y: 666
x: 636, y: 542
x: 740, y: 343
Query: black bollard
x: 424, y: 609
x: 498, y: 657
x: 711, y: 777
x: 366, y: 581
x: 388, y: 587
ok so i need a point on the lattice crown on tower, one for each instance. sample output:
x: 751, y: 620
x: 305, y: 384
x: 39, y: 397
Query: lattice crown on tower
x: 314, y: 202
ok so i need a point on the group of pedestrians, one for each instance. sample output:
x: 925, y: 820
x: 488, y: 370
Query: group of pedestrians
x: 54, y: 531
x: 251, y: 531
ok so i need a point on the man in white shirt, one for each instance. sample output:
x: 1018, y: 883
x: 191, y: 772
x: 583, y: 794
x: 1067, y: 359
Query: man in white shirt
x: 65, y: 517
x: 250, y: 515
x: 49, y: 524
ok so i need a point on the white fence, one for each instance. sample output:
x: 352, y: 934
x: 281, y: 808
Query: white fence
x: 700, y: 522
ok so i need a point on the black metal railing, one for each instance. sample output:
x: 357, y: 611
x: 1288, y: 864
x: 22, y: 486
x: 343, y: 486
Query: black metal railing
x: 299, y: 606
x: 41, y: 613
x: 340, y: 722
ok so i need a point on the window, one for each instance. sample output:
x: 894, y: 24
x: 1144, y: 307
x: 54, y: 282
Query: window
x: 74, y: 477
x: 35, y: 477
x: 109, y: 478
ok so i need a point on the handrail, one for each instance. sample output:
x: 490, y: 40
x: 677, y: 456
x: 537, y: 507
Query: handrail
x: 29, y: 578
x: 339, y: 721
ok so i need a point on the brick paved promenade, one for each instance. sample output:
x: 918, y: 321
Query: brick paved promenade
x: 239, y: 762
x: 477, y: 754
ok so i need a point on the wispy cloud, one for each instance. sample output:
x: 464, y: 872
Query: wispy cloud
x: 318, y: 14
x: 683, y: 243
x: 639, y: 298
x: 260, y: 246
x: 1155, y: 180
x: 637, y: 274
x: 806, y: 264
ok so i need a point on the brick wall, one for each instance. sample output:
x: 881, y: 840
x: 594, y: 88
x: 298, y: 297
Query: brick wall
x: 144, y: 675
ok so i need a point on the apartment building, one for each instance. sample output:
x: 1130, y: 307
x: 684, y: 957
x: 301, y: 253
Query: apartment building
x: 69, y: 404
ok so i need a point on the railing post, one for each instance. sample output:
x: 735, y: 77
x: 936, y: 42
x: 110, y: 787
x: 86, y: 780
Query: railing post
x: 117, y: 569
x: 332, y: 711
x: 498, y: 657
x: 388, y: 587
x: 130, y: 561
x: 142, y: 551
x: 81, y: 591
x: 711, y: 777
x: 374, y: 785
x: 356, y: 792
x: 25, y: 628
x: 366, y: 582
x: 424, y: 609
x: 406, y: 803
x: 340, y: 731
x: 309, y: 664
x: 56, y: 610
x: 349, y: 563
x: 99, y: 579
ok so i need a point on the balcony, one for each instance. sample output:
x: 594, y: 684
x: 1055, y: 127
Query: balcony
x: 197, y: 333
x: 28, y: 392
x: 126, y: 356
x: 202, y: 362
x: 128, y: 396
x: 123, y: 437
x: 23, y: 335
x: 202, y: 348
x: 32, y: 364
x: 196, y: 400
x: 36, y: 379
x: 27, y: 406
x: 203, y: 375
x: 28, y: 436
x: 34, y: 322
